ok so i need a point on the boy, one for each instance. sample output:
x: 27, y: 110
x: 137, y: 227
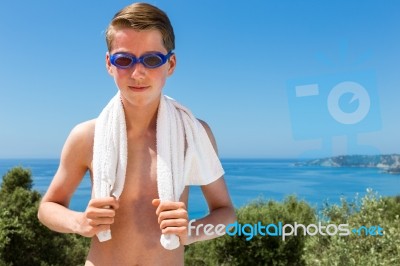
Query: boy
x: 140, y: 57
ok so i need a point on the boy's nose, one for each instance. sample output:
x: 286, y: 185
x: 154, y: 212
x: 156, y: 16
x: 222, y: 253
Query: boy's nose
x: 138, y: 70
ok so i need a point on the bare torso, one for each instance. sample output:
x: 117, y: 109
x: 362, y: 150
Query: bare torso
x: 136, y: 232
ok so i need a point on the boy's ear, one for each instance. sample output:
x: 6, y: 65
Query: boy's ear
x: 108, y: 64
x: 172, y: 64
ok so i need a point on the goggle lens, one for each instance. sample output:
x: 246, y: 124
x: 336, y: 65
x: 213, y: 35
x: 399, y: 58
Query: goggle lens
x: 123, y: 61
x: 152, y: 60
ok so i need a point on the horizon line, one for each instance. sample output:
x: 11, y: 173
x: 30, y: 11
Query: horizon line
x: 229, y: 157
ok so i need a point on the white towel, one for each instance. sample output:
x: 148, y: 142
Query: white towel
x: 110, y: 154
x: 177, y: 165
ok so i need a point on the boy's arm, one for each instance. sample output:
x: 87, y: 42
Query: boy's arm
x: 74, y: 162
x: 218, y: 200
x: 173, y: 217
x: 221, y: 212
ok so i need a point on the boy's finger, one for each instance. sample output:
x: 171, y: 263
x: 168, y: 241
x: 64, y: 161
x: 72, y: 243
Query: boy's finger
x: 155, y: 202
x: 105, y: 203
x: 170, y: 206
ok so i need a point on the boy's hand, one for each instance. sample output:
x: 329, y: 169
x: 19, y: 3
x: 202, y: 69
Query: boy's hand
x: 173, y: 218
x: 98, y: 216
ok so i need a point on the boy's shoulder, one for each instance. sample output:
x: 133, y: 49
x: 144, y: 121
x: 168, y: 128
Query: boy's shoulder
x: 84, y: 128
x: 205, y: 125
x: 209, y: 133
x: 79, y: 144
x: 83, y: 134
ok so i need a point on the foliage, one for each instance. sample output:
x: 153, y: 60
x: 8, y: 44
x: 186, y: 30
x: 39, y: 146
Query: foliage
x: 17, y: 177
x: 261, y: 250
x: 353, y: 249
x: 23, y: 240
x: 362, y: 249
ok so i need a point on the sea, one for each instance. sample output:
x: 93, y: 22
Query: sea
x: 248, y: 180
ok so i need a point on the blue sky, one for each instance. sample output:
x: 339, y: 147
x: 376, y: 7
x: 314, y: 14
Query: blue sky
x: 240, y: 65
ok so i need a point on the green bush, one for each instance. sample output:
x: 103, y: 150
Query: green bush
x: 371, y: 210
x: 23, y: 240
x: 260, y: 250
x: 353, y: 249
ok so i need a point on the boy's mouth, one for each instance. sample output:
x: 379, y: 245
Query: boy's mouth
x: 138, y: 88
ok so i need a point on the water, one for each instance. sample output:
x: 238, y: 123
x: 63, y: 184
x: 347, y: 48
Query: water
x: 43, y: 171
x: 248, y: 180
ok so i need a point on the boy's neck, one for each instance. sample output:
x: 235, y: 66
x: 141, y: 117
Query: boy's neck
x: 141, y: 120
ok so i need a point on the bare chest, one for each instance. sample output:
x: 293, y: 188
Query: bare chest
x: 141, y: 173
x: 136, y: 225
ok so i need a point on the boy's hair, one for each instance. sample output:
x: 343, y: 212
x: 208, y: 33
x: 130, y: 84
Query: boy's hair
x: 142, y: 16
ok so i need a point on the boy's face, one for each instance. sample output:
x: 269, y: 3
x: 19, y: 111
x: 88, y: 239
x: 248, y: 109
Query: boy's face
x: 139, y: 86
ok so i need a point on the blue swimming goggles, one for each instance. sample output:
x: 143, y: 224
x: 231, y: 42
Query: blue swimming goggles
x: 150, y: 60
